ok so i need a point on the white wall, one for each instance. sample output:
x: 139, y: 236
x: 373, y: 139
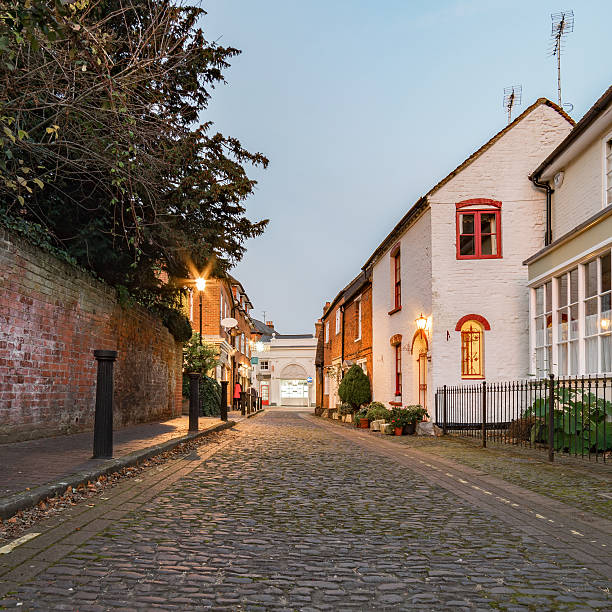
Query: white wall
x: 415, y: 260
x: 581, y: 194
x: 493, y: 288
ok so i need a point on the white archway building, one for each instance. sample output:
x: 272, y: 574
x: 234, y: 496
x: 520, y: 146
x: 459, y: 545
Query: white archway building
x: 285, y: 371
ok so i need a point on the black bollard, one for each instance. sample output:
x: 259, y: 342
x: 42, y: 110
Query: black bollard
x: 242, y: 403
x: 103, y: 423
x: 223, y: 406
x: 194, y: 400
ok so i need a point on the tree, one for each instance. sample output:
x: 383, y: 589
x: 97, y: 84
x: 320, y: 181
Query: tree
x: 355, y: 388
x: 201, y: 358
x: 105, y: 145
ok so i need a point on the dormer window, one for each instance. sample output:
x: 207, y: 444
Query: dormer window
x: 479, y: 229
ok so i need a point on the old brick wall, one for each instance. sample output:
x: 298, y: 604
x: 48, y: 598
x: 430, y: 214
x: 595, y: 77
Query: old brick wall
x: 52, y: 317
x: 358, y: 347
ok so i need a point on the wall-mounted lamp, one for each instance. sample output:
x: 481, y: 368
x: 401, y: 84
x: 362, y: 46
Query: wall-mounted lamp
x: 421, y: 322
x: 200, y: 284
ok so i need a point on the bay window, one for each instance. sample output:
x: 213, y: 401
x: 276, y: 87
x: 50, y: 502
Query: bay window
x: 543, y: 329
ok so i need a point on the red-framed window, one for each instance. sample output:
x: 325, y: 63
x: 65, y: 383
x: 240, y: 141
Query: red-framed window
x: 397, y: 284
x: 398, y: 369
x: 479, y: 229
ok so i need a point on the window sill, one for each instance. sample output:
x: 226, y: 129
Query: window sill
x: 473, y: 377
x: 396, y: 404
x: 358, y: 339
x: 395, y: 310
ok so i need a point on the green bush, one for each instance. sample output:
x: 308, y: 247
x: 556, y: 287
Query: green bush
x: 210, y: 395
x: 361, y: 414
x: 345, y: 409
x: 177, y: 323
x: 415, y: 413
x: 355, y: 388
x: 377, y: 411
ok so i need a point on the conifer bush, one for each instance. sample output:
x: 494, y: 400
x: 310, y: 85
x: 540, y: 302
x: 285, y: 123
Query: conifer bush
x: 355, y: 388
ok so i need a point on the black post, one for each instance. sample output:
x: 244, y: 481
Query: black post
x: 103, y: 423
x: 200, y: 292
x: 224, y: 400
x: 444, y: 412
x: 242, y: 404
x: 484, y: 414
x: 194, y: 400
x: 551, y: 419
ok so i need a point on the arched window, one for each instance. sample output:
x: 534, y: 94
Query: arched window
x: 472, y: 349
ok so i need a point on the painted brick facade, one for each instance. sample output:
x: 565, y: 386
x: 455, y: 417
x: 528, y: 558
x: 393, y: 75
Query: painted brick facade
x: 444, y: 289
x: 52, y: 318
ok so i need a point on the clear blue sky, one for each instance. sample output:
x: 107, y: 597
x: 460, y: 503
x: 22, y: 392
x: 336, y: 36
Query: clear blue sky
x: 362, y: 106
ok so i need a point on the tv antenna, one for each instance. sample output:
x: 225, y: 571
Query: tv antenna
x: 562, y: 25
x: 512, y: 97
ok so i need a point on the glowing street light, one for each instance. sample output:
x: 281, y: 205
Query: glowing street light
x: 200, y: 284
x: 421, y: 322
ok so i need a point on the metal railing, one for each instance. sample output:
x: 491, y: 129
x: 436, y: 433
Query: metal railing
x: 565, y: 415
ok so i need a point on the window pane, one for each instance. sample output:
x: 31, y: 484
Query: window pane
x: 489, y: 245
x: 573, y: 285
x: 573, y: 357
x: 573, y: 321
x: 540, y: 300
x: 541, y: 362
x: 590, y: 318
x: 487, y: 223
x: 466, y: 245
x: 562, y: 289
x: 467, y: 224
x: 549, y: 329
x: 540, y: 331
x: 562, y: 327
x: 591, y: 279
x: 604, y: 322
x: 563, y: 360
x: 548, y: 288
x: 590, y: 347
x: 605, y: 272
x: 606, y: 353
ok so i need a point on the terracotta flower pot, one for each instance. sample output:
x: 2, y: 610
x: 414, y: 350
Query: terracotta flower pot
x: 364, y: 423
x: 399, y: 431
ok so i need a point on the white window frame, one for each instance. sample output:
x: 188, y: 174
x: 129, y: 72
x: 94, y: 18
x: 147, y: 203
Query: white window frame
x: 326, y: 385
x: 337, y: 321
x: 358, y: 306
x: 363, y: 364
x: 326, y: 331
x: 606, y: 163
x: 261, y: 365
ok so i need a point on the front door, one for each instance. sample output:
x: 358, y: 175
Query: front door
x: 265, y: 394
x: 423, y: 379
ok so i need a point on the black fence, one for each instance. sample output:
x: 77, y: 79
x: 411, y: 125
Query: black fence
x: 565, y: 415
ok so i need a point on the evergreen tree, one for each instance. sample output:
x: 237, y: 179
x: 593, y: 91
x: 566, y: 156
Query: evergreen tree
x: 355, y: 388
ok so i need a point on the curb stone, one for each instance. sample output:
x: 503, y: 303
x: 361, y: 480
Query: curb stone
x: 12, y: 504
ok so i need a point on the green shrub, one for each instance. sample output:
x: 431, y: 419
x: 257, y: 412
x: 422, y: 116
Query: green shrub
x: 361, y: 414
x: 377, y: 411
x: 345, y: 409
x: 415, y: 413
x: 210, y: 395
x: 198, y: 357
x: 355, y: 388
x: 177, y: 323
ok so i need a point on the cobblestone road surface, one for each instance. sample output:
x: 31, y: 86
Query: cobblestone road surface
x: 289, y: 515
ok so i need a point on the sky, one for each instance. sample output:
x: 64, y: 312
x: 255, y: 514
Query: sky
x: 362, y: 106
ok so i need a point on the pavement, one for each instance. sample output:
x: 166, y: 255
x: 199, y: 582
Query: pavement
x: 35, y: 469
x: 291, y: 512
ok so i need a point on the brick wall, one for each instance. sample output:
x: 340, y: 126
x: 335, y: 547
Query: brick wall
x: 357, y: 348
x: 52, y: 317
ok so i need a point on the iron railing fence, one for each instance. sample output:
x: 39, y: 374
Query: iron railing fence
x: 565, y: 415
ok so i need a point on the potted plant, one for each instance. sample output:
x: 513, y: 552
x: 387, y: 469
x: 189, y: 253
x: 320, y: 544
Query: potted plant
x: 399, y: 419
x: 354, y: 390
x: 361, y: 419
x: 414, y: 414
x: 377, y: 411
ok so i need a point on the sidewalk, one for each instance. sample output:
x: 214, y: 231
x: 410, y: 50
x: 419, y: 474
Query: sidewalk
x: 34, y: 464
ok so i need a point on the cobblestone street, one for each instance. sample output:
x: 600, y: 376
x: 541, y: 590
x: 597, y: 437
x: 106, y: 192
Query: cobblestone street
x: 293, y: 513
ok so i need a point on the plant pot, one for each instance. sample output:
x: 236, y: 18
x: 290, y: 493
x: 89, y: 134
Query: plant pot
x: 386, y: 428
x: 399, y: 431
x: 364, y: 423
x: 410, y: 429
x: 375, y: 425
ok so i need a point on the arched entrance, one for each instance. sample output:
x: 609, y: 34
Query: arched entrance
x: 294, y: 390
x: 420, y: 347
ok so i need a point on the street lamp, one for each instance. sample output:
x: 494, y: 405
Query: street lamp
x: 421, y: 323
x: 200, y: 285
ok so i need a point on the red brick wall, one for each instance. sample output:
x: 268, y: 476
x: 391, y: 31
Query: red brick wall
x: 52, y: 317
x: 360, y: 349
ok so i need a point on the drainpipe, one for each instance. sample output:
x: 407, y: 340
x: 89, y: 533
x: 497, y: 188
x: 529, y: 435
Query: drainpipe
x: 549, y: 192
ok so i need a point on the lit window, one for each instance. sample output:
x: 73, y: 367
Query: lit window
x: 472, y: 338
x: 478, y: 229
x: 398, y: 369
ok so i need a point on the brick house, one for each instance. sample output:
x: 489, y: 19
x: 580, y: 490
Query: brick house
x: 449, y: 291
x: 570, y: 278
x: 345, y: 338
x: 223, y: 298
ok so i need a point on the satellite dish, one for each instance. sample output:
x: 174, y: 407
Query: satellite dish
x: 229, y: 322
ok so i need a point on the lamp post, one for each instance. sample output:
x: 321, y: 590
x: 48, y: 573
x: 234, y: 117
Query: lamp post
x: 421, y: 323
x: 201, y: 285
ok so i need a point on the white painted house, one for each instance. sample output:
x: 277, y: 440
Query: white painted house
x: 284, y: 367
x: 450, y: 300
x: 571, y: 277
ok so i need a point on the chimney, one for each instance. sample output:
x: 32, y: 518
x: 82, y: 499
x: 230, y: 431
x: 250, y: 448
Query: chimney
x: 270, y: 324
x: 327, y: 305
